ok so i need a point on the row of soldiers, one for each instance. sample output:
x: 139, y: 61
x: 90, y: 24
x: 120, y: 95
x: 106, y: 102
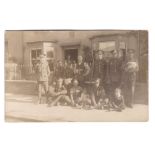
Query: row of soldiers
x: 85, y: 71
x: 114, y: 74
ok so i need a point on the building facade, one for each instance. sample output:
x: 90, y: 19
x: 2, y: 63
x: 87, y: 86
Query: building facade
x: 24, y: 47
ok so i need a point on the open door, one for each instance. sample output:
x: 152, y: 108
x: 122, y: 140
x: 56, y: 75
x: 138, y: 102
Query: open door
x: 71, y: 54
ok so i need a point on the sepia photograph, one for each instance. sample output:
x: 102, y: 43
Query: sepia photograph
x: 76, y: 76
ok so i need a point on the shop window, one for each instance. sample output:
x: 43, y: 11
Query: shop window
x: 107, y: 47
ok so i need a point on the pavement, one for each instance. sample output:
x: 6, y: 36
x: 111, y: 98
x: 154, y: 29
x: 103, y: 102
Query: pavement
x: 24, y: 108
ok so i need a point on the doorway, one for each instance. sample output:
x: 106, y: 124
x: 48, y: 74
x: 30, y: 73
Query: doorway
x: 71, y: 54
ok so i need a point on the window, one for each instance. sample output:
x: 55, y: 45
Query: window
x: 35, y: 53
x: 107, y: 47
x: 49, y: 50
x: 50, y: 54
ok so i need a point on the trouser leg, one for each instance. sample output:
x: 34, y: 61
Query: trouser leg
x: 39, y: 92
x: 65, y: 99
x: 46, y: 90
x: 132, y: 93
x: 55, y: 101
x: 129, y: 95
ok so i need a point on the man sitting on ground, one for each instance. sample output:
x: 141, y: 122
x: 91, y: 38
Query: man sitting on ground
x: 97, y: 94
x: 118, y: 100
x: 76, y: 94
x: 58, y: 94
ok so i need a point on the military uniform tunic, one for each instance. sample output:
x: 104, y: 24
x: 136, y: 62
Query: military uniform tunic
x: 99, y: 69
x: 115, y: 73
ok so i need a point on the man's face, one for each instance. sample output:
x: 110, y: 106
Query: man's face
x: 97, y: 83
x: 106, y: 100
x: 115, y: 55
x: 117, y: 93
x: 60, y: 63
x: 80, y: 58
x: 65, y: 63
x: 85, y: 64
x: 131, y: 55
x: 59, y: 83
x: 100, y: 56
x: 75, y: 83
x: 67, y: 81
x: 42, y: 60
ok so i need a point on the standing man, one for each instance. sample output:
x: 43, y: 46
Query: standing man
x: 59, y: 71
x: 79, y: 70
x: 68, y: 71
x: 129, y: 77
x: 86, y: 72
x: 43, y: 72
x: 115, y: 71
x: 52, y: 68
x: 99, y: 67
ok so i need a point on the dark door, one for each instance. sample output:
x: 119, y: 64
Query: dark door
x: 71, y: 54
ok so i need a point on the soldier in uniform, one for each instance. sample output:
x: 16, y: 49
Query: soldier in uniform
x: 86, y: 72
x: 52, y: 68
x: 130, y: 70
x: 79, y: 70
x: 68, y: 71
x: 99, y: 70
x: 59, y: 70
x: 43, y: 72
x: 115, y: 71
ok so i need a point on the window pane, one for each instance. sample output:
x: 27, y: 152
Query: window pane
x: 50, y: 54
x: 107, y: 46
x: 38, y: 52
x: 33, y: 54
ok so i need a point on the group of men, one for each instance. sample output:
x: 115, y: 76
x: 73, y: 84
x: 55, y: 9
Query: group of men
x: 102, y: 84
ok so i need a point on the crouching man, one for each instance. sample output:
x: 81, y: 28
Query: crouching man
x: 58, y: 94
x: 97, y: 94
x: 118, y: 100
x: 76, y: 94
